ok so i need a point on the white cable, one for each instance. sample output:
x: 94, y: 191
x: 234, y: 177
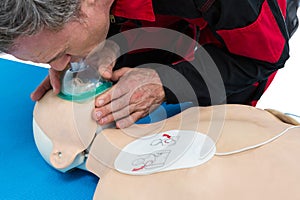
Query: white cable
x: 257, y: 145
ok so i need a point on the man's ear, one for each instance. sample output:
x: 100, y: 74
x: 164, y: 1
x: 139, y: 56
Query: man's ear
x: 89, y: 2
x: 86, y: 5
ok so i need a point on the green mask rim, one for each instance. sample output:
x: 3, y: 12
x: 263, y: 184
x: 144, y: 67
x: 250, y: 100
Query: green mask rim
x: 86, y: 95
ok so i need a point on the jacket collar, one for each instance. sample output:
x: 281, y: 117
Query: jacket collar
x: 134, y: 9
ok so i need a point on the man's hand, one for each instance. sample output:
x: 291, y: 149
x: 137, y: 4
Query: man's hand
x: 138, y: 92
x: 104, y: 57
x: 51, y: 81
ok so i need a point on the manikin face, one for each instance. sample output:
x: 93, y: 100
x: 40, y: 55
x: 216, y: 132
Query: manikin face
x: 73, y: 42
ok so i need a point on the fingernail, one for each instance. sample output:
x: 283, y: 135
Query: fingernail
x: 101, y: 102
x: 120, y: 125
x: 103, y: 120
x: 98, y: 114
x: 107, y: 74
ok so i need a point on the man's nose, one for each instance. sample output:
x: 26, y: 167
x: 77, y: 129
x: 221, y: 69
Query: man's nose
x: 61, y: 63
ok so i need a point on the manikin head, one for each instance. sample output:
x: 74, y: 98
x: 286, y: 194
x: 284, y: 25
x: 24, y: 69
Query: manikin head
x: 63, y: 131
x: 53, y: 32
x: 62, y: 124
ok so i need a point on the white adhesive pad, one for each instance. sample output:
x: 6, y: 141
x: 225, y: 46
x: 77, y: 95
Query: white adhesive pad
x: 171, y: 150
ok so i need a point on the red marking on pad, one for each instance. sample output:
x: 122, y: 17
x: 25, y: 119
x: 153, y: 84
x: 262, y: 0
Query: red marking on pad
x: 138, y: 169
x: 167, y: 135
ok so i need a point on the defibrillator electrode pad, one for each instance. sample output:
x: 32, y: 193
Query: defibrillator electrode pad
x: 171, y: 150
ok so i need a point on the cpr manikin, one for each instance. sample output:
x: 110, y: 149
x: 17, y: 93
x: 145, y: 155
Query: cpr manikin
x: 63, y: 126
x: 249, y: 153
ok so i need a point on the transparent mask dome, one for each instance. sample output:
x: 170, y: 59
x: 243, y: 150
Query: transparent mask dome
x: 81, y: 82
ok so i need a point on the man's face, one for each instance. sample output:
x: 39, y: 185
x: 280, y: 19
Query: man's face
x: 70, y: 44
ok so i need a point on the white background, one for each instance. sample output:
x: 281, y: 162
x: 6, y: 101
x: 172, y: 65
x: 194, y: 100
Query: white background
x: 284, y: 92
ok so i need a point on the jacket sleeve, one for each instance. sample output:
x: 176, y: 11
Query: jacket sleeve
x: 250, y: 28
x: 255, y: 39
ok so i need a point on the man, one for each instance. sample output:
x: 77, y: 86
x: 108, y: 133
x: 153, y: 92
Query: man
x: 247, y: 40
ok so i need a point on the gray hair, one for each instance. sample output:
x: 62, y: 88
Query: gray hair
x: 27, y: 17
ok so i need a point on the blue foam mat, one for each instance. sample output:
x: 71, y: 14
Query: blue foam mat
x: 24, y: 174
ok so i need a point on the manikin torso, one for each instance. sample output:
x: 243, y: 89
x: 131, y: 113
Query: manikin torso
x: 267, y: 172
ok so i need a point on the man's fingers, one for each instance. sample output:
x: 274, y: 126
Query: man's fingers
x: 103, y: 99
x: 51, y: 81
x: 135, y: 94
x: 131, y: 119
x: 39, y: 92
x: 122, y: 118
x: 119, y: 73
x: 106, y: 65
x: 114, y: 116
x: 55, y: 80
x: 105, y: 71
x: 113, y: 93
x: 104, y: 57
x: 115, y: 110
x: 114, y: 106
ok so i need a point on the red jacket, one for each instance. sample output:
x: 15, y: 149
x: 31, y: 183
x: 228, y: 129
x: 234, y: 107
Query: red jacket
x: 247, y: 40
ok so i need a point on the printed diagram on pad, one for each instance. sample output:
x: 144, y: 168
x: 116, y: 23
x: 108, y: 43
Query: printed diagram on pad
x: 170, y: 150
x: 151, y: 161
x: 166, y: 140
